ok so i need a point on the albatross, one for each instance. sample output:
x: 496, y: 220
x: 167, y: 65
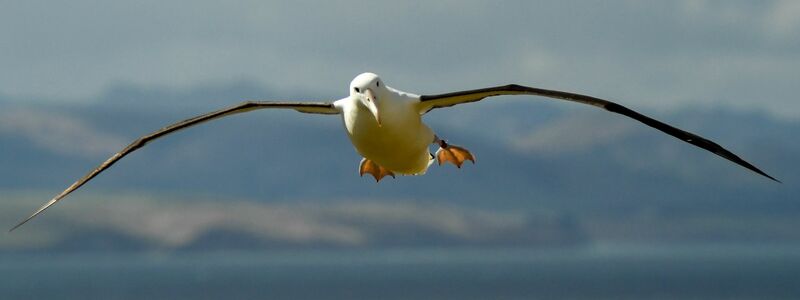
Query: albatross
x: 385, y: 127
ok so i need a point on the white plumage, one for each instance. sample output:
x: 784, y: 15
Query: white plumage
x: 400, y: 143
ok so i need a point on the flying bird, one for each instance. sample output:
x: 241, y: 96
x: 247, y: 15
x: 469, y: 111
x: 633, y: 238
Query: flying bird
x: 385, y: 127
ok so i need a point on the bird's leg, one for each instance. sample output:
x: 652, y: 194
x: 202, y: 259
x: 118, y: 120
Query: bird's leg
x: 452, y: 153
x: 368, y: 166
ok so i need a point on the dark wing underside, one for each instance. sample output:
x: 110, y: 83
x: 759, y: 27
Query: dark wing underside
x: 305, y: 107
x: 429, y: 102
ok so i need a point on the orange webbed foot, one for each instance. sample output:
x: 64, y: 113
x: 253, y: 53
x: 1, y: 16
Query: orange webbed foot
x: 454, y: 154
x: 368, y: 166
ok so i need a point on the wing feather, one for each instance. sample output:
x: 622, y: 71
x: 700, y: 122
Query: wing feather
x: 429, y: 102
x: 305, y: 107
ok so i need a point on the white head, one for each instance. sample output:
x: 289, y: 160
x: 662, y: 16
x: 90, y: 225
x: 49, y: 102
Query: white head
x: 369, y: 90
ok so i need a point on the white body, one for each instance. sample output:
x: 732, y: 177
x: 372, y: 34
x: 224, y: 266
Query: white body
x: 400, y: 143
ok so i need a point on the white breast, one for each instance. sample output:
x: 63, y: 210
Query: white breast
x: 400, y: 144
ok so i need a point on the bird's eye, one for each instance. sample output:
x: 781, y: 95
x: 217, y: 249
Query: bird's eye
x: 357, y: 90
x: 377, y: 83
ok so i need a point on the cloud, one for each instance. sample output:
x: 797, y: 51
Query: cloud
x: 170, y: 223
x: 576, y: 133
x: 176, y: 225
x: 644, y: 52
x: 58, y: 133
x: 783, y: 19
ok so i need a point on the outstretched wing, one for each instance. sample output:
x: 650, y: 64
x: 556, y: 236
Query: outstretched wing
x: 305, y: 107
x: 429, y: 102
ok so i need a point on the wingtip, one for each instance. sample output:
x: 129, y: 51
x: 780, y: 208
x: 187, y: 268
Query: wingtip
x: 762, y: 173
x: 16, y: 226
x: 773, y: 178
x: 19, y: 224
x: 36, y: 213
x: 23, y: 222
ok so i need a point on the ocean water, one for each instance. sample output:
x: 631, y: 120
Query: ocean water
x: 598, y: 272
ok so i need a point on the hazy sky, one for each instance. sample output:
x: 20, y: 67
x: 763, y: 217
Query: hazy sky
x: 654, y: 54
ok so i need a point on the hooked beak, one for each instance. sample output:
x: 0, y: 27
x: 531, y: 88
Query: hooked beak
x: 371, y: 105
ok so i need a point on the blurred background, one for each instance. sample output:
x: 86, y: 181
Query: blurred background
x: 565, y: 202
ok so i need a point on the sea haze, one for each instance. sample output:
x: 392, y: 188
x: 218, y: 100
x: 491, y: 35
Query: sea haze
x: 618, y: 272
